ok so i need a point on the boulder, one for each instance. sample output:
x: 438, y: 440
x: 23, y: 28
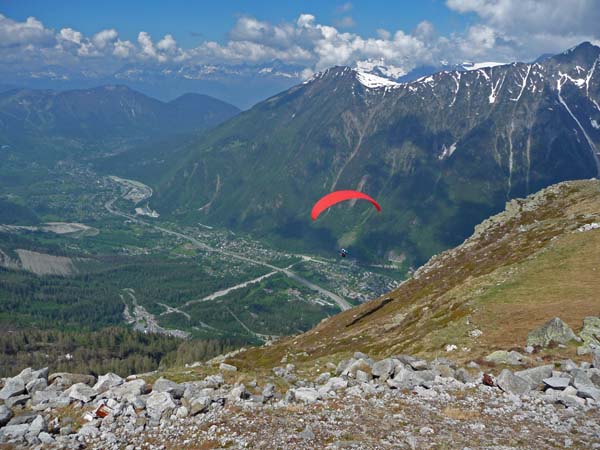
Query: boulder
x: 5, y: 415
x: 557, y: 382
x: 504, y: 357
x: 128, y: 389
x: 12, y: 387
x: 323, y: 378
x: 343, y: 365
x: 464, y: 376
x: 159, y: 404
x: 227, y: 367
x: 214, y: 381
x: 17, y: 400
x: 580, y: 378
x: 306, y: 395
x: 268, y: 391
x: 363, y: 377
x: 535, y: 376
x: 49, y: 399
x: 81, y: 392
x: 553, y: 330
x: 27, y: 418
x: 511, y: 383
x: 238, y: 393
x: 64, y: 380
x: 333, y: 384
x: 405, y: 378
x: 39, y: 384
x: 589, y: 391
x: 199, y: 405
x: 28, y: 375
x: 360, y: 364
x: 13, y: 432
x: 163, y: 385
x: 590, y: 333
x: 108, y: 381
x: 383, y: 369
x: 38, y: 425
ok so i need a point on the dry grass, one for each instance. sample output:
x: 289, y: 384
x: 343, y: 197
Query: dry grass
x: 460, y: 414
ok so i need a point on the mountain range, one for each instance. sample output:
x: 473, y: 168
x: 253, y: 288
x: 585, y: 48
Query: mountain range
x: 440, y: 154
x: 106, y: 118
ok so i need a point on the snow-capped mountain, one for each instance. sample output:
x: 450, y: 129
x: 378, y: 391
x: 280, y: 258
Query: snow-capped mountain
x: 441, y: 152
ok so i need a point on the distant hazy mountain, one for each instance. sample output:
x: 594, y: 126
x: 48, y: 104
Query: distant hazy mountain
x: 439, y: 153
x: 103, y: 118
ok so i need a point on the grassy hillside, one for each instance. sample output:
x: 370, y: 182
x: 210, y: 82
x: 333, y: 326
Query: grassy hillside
x: 518, y: 270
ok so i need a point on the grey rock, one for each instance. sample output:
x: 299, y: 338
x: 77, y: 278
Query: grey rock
x: 108, y: 381
x: 88, y: 431
x: 159, y: 404
x: 323, y: 378
x: 580, y: 378
x: 45, y: 438
x: 17, y: 400
x: 64, y: 380
x: 596, y: 358
x: 333, y: 384
x: 39, y: 384
x: 49, y: 399
x: 16, y: 432
x: 590, y: 333
x: 463, y: 376
x: 357, y: 365
x: 27, y: 418
x: 343, y: 365
x: 589, y: 391
x: 5, y: 415
x: 557, y: 382
x: 529, y: 349
x: 419, y: 364
x: 38, y: 425
x: 504, y: 357
x: 163, y: 385
x: 214, y: 381
x: 363, y: 376
x: 568, y: 365
x: 536, y: 375
x: 66, y: 430
x: 553, y: 330
x: 238, y: 393
x: 405, y: 378
x: 81, y: 392
x: 128, y: 389
x: 182, y: 412
x: 12, y: 387
x: 28, y: 375
x: 268, y: 391
x: 306, y: 395
x: 360, y: 355
x: 227, y: 367
x: 383, y: 369
x: 511, y: 383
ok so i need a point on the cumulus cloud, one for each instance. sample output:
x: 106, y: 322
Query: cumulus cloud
x: 531, y: 27
x: 104, y: 38
x: 503, y: 30
x: 30, y: 32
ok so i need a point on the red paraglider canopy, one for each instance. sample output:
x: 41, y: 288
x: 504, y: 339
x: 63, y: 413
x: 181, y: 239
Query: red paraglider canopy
x: 339, y: 196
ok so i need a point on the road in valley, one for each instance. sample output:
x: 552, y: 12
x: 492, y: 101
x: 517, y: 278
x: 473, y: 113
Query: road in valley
x: 342, y: 303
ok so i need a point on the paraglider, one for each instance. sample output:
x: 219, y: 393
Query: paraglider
x: 339, y: 196
x: 336, y: 197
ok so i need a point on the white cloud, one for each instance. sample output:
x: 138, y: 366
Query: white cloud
x: 502, y: 30
x: 30, y: 32
x: 105, y: 37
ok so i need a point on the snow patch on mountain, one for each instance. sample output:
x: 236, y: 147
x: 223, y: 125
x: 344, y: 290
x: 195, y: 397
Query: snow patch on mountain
x: 482, y: 65
x: 373, y: 81
x: 595, y: 124
x: 447, y: 151
x: 379, y: 68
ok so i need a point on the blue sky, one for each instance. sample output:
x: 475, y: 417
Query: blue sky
x: 190, y: 22
x: 269, y: 45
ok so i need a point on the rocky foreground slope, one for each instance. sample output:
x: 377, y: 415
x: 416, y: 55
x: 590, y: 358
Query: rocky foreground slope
x: 493, y: 344
x: 397, y: 402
